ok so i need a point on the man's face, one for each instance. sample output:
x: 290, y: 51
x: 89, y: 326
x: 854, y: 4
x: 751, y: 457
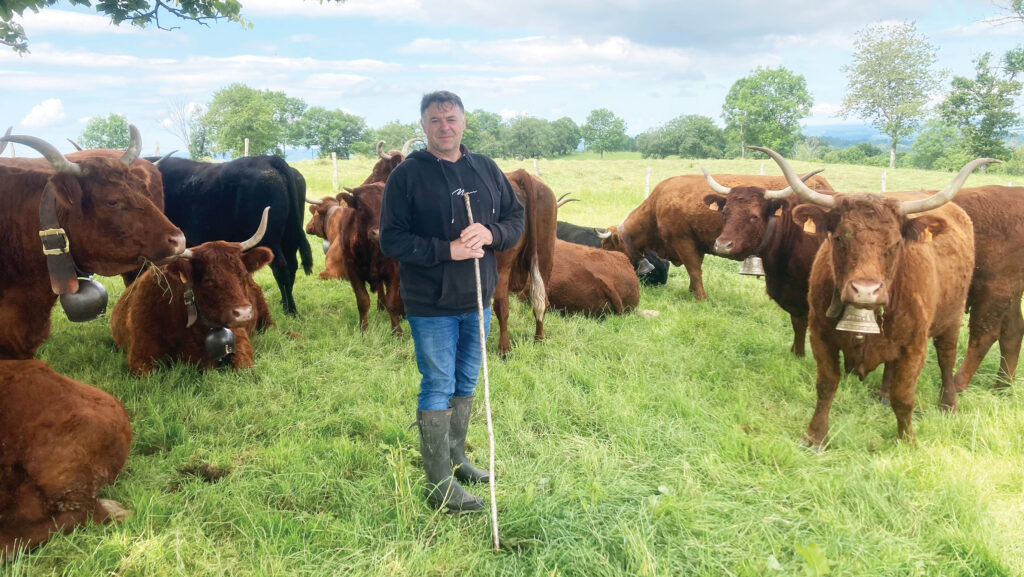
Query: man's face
x: 443, y: 124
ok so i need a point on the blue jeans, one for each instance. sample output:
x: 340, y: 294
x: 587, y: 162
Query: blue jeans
x: 448, y: 356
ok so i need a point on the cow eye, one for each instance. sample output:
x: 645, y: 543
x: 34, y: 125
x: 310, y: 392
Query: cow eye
x: 112, y: 203
x: 754, y: 218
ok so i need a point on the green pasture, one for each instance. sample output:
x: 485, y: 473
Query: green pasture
x: 625, y: 446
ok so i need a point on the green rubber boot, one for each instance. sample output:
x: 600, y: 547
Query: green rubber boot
x: 442, y: 489
x: 464, y: 470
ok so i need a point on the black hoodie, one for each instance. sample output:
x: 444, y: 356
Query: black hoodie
x: 424, y: 211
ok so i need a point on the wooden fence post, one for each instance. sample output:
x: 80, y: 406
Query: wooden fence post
x: 246, y: 147
x: 334, y: 161
x: 883, y: 181
x: 535, y: 169
x: 762, y: 169
x: 157, y: 151
x: 11, y: 144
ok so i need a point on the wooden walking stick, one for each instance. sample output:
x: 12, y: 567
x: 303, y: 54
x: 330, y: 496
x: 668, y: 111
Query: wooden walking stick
x: 487, y: 385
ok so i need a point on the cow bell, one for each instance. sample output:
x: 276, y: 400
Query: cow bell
x: 752, y: 265
x: 327, y: 245
x: 858, y: 320
x: 220, y: 342
x: 644, y: 266
x: 88, y: 303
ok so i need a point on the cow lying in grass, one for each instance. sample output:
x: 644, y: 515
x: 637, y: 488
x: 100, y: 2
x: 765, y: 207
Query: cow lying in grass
x: 61, y: 441
x: 592, y: 281
x: 170, y: 310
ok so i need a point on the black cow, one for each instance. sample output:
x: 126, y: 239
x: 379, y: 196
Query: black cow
x: 225, y: 201
x: 651, y: 270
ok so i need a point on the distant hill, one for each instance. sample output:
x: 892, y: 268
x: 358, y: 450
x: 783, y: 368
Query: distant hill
x: 844, y: 135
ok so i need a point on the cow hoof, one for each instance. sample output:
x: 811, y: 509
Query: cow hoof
x: 884, y: 401
x: 115, y: 512
x: 812, y: 447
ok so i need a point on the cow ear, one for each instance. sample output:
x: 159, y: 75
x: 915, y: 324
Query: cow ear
x: 777, y: 206
x: 312, y: 209
x: 813, y: 219
x: 923, y: 228
x: 257, y: 258
x: 715, y: 202
x: 348, y: 199
x: 181, y: 270
x: 66, y: 190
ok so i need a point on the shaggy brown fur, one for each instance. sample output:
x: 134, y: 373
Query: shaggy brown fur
x: 674, y: 221
x: 149, y: 320
x: 61, y: 441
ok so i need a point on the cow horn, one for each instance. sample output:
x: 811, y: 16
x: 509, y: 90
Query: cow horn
x: 789, y: 189
x: 3, y: 143
x: 602, y: 233
x: 49, y: 151
x: 408, y: 144
x: 801, y: 189
x: 164, y: 157
x: 946, y: 194
x: 315, y: 202
x: 256, y: 238
x: 714, y: 184
x: 134, y: 146
x: 77, y: 146
x: 380, y: 151
x: 560, y: 202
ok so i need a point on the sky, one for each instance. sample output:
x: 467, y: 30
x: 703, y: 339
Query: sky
x: 648, y: 61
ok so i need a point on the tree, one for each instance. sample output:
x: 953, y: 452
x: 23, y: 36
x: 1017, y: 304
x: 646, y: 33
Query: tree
x: 485, y: 133
x: 330, y: 131
x: 699, y: 137
x: 983, y: 110
x: 183, y: 122
x: 395, y: 134
x: 934, y: 142
x: 109, y: 131
x: 268, y: 119
x: 890, y: 80
x: 604, y: 131
x: 528, y: 137
x: 765, y: 109
x: 565, y: 136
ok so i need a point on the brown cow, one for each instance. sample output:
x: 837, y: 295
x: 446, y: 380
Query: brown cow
x: 360, y: 250
x: 169, y: 310
x: 528, y: 264
x: 388, y: 161
x: 913, y: 273
x: 759, y: 222
x: 327, y: 216
x: 110, y: 228
x: 592, y: 281
x: 675, y: 223
x: 61, y: 441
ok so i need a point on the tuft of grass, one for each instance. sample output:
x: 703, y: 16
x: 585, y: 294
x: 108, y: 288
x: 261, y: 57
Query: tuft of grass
x: 624, y: 446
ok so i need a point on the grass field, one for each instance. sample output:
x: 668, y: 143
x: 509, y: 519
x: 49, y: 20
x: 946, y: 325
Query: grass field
x: 625, y: 446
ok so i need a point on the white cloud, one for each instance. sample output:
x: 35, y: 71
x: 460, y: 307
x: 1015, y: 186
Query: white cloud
x: 985, y: 29
x: 48, y: 113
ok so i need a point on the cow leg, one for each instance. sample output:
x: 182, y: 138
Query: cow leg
x: 827, y: 357
x: 885, y: 389
x: 904, y: 382
x: 382, y: 297
x: 242, y: 358
x: 501, y: 310
x: 978, y: 344
x: 362, y: 303
x: 799, y: 334
x: 393, y: 301
x: 285, y: 279
x: 945, y: 354
x: 1009, y: 343
x: 692, y: 260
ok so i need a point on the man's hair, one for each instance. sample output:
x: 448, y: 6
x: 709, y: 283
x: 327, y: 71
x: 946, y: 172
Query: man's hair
x: 440, y: 97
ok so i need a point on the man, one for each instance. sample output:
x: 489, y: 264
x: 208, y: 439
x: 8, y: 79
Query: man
x: 425, y: 227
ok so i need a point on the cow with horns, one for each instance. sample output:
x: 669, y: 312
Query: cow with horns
x: 201, y: 308
x: 675, y: 223
x: 61, y: 441
x: 387, y: 161
x: 92, y: 216
x: 895, y: 280
x: 223, y: 201
x: 759, y: 222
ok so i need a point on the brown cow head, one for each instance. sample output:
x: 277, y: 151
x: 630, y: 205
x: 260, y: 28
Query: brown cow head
x: 219, y: 274
x: 366, y: 201
x: 101, y: 203
x: 867, y: 232
x: 321, y: 211
x: 388, y: 161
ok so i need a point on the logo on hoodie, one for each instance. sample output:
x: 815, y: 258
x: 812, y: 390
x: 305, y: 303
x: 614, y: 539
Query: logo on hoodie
x: 461, y: 192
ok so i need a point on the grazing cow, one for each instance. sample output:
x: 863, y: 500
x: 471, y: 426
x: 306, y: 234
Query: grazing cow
x: 61, y: 441
x: 592, y: 281
x: 675, y: 223
x: 98, y: 221
x: 359, y: 237
x: 528, y: 264
x: 651, y: 270
x: 911, y: 273
x: 170, y: 310
x: 224, y: 202
x: 760, y: 222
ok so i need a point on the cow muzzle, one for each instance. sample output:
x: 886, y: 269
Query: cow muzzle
x: 724, y: 248
x: 374, y: 234
x: 865, y: 293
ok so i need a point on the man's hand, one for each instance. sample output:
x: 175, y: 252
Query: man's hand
x: 476, y: 236
x: 460, y: 251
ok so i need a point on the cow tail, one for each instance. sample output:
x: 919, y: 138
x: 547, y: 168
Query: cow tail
x: 297, y: 230
x: 538, y: 292
x: 532, y: 227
